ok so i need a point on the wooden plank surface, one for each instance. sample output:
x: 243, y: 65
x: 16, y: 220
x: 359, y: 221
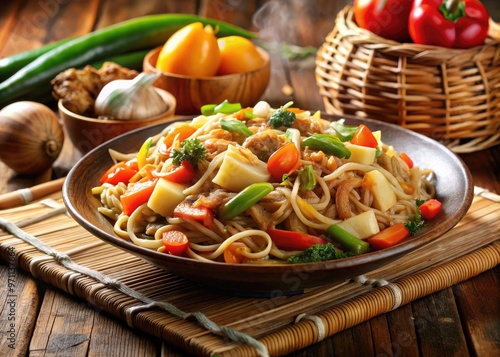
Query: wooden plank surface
x: 462, y: 319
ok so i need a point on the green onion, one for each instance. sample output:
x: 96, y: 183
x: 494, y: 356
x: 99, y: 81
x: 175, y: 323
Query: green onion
x: 344, y: 132
x: 245, y: 199
x: 234, y: 125
x: 346, y: 240
x: 329, y: 144
x: 225, y: 108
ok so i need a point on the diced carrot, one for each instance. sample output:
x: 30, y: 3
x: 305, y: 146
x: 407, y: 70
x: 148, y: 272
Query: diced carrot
x: 175, y: 242
x: 389, y: 236
x: 232, y: 254
x: 406, y: 159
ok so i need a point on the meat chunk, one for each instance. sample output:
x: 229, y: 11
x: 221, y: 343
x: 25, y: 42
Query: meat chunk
x: 310, y: 125
x: 213, y: 200
x: 263, y: 144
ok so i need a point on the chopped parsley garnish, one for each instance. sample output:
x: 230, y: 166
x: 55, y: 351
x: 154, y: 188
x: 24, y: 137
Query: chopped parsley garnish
x: 191, y: 150
x: 416, y: 221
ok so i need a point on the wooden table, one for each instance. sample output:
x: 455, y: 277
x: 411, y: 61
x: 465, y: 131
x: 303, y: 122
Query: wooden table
x: 460, y: 320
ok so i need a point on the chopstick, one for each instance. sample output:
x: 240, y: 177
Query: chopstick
x: 27, y: 195
x: 479, y: 191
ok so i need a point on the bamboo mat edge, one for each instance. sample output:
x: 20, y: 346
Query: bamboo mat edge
x: 323, y: 324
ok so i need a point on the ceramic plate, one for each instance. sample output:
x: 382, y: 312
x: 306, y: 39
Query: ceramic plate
x: 452, y: 181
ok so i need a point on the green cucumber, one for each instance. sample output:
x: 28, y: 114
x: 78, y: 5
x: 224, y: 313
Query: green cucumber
x: 11, y: 64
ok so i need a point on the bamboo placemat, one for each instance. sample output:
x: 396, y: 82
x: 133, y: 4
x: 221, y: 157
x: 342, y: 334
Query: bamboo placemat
x: 279, y: 325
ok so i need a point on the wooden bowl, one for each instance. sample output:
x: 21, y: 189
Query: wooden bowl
x: 86, y: 133
x: 453, y: 183
x: 193, y: 92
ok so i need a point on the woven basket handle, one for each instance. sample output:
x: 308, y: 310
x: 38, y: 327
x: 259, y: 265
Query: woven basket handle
x: 494, y: 30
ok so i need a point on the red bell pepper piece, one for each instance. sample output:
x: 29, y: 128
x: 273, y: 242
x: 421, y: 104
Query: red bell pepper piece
x: 430, y: 208
x: 389, y: 236
x: 136, y: 195
x: 120, y: 172
x: 202, y: 214
x: 183, y: 173
x: 449, y: 23
x: 385, y: 18
x: 290, y: 240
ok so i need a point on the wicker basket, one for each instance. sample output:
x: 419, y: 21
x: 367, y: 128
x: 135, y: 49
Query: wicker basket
x: 450, y: 95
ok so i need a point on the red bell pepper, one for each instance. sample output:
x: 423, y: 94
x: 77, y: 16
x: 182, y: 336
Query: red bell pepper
x: 120, y: 172
x: 449, y: 23
x: 290, y: 240
x: 430, y: 208
x: 183, y: 173
x: 202, y: 214
x: 136, y: 195
x: 385, y: 18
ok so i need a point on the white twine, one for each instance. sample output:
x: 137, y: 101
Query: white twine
x: 26, y: 195
x: 398, y: 294
x: 317, y: 321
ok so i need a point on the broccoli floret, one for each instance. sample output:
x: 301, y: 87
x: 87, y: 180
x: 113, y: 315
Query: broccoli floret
x: 319, y: 253
x: 282, y: 117
x: 191, y: 150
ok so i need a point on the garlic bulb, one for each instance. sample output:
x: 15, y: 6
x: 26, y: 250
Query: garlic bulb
x: 31, y: 137
x: 130, y: 99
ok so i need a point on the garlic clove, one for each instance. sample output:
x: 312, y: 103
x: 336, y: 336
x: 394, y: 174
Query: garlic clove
x: 130, y: 99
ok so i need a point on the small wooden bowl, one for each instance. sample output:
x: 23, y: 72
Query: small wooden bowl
x: 86, y: 133
x: 193, y: 92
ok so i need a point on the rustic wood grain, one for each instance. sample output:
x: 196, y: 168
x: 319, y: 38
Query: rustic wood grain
x: 438, y: 325
x: 19, y: 302
x: 481, y: 321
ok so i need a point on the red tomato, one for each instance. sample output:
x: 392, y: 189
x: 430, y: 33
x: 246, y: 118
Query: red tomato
x: 175, y: 242
x: 389, y: 237
x: 290, y: 240
x: 430, y: 209
x: 283, y: 161
x: 364, y: 137
x: 120, y: 172
x: 232, y: 254
x: 136, y: 195
x: 385, y: 18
